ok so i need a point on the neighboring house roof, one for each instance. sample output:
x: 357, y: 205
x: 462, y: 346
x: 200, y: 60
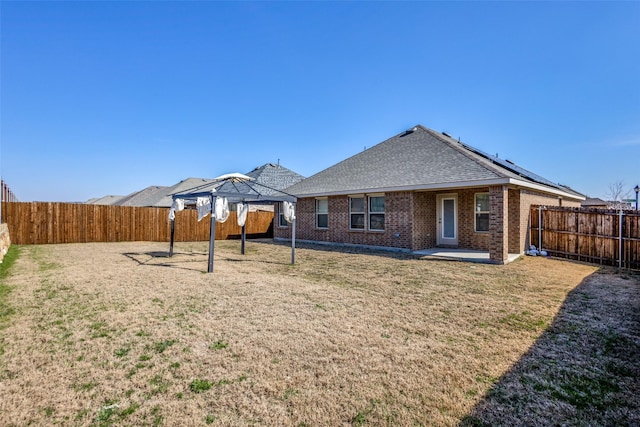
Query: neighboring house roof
x: 420, y: 159
x: 145, y: 197
x: 271, y: 178
x: 153, y: 196
x: 593, y: 202
x: 165, y: 200
x: 105, y: 200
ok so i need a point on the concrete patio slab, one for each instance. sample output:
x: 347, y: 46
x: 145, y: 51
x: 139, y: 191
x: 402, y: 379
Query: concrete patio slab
x: 460, y: 255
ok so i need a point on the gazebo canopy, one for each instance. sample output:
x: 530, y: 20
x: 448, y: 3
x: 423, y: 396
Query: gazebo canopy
x: 236, y: 188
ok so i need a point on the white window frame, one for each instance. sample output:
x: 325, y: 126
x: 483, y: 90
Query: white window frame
x: 319, y: 212
x: 477, y: 211
x: 363, y: 212
x: 282, y: 223
x: 370, y: 212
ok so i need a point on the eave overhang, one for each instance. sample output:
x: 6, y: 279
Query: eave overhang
x: 451, y: 185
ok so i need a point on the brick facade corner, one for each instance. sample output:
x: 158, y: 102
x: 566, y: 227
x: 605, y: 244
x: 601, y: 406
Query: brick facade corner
x: 498, y: 224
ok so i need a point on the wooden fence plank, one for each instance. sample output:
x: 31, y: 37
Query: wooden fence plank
x: 588, y: 235
x: 49, y: 222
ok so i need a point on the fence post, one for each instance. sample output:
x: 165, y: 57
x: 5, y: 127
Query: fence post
x: 539, y: 228
x: 620, y: 240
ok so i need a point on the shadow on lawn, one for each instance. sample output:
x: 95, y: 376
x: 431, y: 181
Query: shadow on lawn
x: 345, y: 249
x: 152, y: 258
x: 583, y: 370
x: 178, y: 260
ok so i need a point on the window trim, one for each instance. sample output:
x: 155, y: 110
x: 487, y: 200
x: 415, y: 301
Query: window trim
x: 318, y: 213
x: 363, y: 213
x: 477, y: 211
x: 367, y: 212
x: 282, y: 223
x: 370, y: 212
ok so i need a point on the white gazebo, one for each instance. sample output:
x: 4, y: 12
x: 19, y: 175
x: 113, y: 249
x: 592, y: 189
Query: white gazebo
x: 213, y: 199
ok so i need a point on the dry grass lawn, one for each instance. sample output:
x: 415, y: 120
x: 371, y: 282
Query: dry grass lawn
x: 119, y: 334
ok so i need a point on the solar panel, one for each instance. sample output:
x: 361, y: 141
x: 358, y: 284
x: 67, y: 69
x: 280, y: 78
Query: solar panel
x: 512, y: 167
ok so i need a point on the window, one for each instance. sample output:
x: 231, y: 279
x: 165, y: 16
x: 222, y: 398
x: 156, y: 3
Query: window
x: 366, y: 213
x: 281, y: 221
x: 376, y: 213
x: 482, y: 212
x: 356, y: 213
x: 322, y: 213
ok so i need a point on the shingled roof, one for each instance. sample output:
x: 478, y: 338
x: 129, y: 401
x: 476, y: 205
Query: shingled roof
x: 144, y: 197
x: 165, y: 199
x: 104, y: 200
x: 271, y: 179
x: 420, y: 159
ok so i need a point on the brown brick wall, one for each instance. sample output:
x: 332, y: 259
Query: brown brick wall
x: 468, y: 238
x: 515, y: 224
x: 424, y: 220
x: 399, y: 219
x: 498, y: 223
x: 398, y: 223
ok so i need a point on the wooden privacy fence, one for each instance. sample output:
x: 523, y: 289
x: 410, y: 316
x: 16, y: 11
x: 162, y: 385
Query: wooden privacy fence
x: 49, y: 222
x: 605, y: 237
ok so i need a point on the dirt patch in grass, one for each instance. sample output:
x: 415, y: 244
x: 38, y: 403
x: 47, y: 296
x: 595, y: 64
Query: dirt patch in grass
x: 120, y: 334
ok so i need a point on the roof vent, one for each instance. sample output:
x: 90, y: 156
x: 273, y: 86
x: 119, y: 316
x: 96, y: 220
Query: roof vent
x: 446, y: 134
x: 410, y: 131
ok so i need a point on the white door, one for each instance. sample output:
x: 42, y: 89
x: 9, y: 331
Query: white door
x: 447, y: 216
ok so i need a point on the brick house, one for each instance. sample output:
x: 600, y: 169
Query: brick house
x: 422, y: 189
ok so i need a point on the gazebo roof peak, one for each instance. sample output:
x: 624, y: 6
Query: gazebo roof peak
x: 234, y: 177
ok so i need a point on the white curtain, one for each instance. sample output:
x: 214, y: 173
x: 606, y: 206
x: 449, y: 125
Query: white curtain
x: 203, y: 205
x: 176, y: 206
x: 242, y: 210
x: 289, y: 211
x: 221, y: 210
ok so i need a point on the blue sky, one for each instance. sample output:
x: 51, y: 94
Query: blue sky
x: 104, y: 98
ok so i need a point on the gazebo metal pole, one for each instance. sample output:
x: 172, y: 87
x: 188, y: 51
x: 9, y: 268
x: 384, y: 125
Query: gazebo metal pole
x: 173, y: 230
x: 293, y: 241
x: 242, y: 238
x: 212, y: 237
